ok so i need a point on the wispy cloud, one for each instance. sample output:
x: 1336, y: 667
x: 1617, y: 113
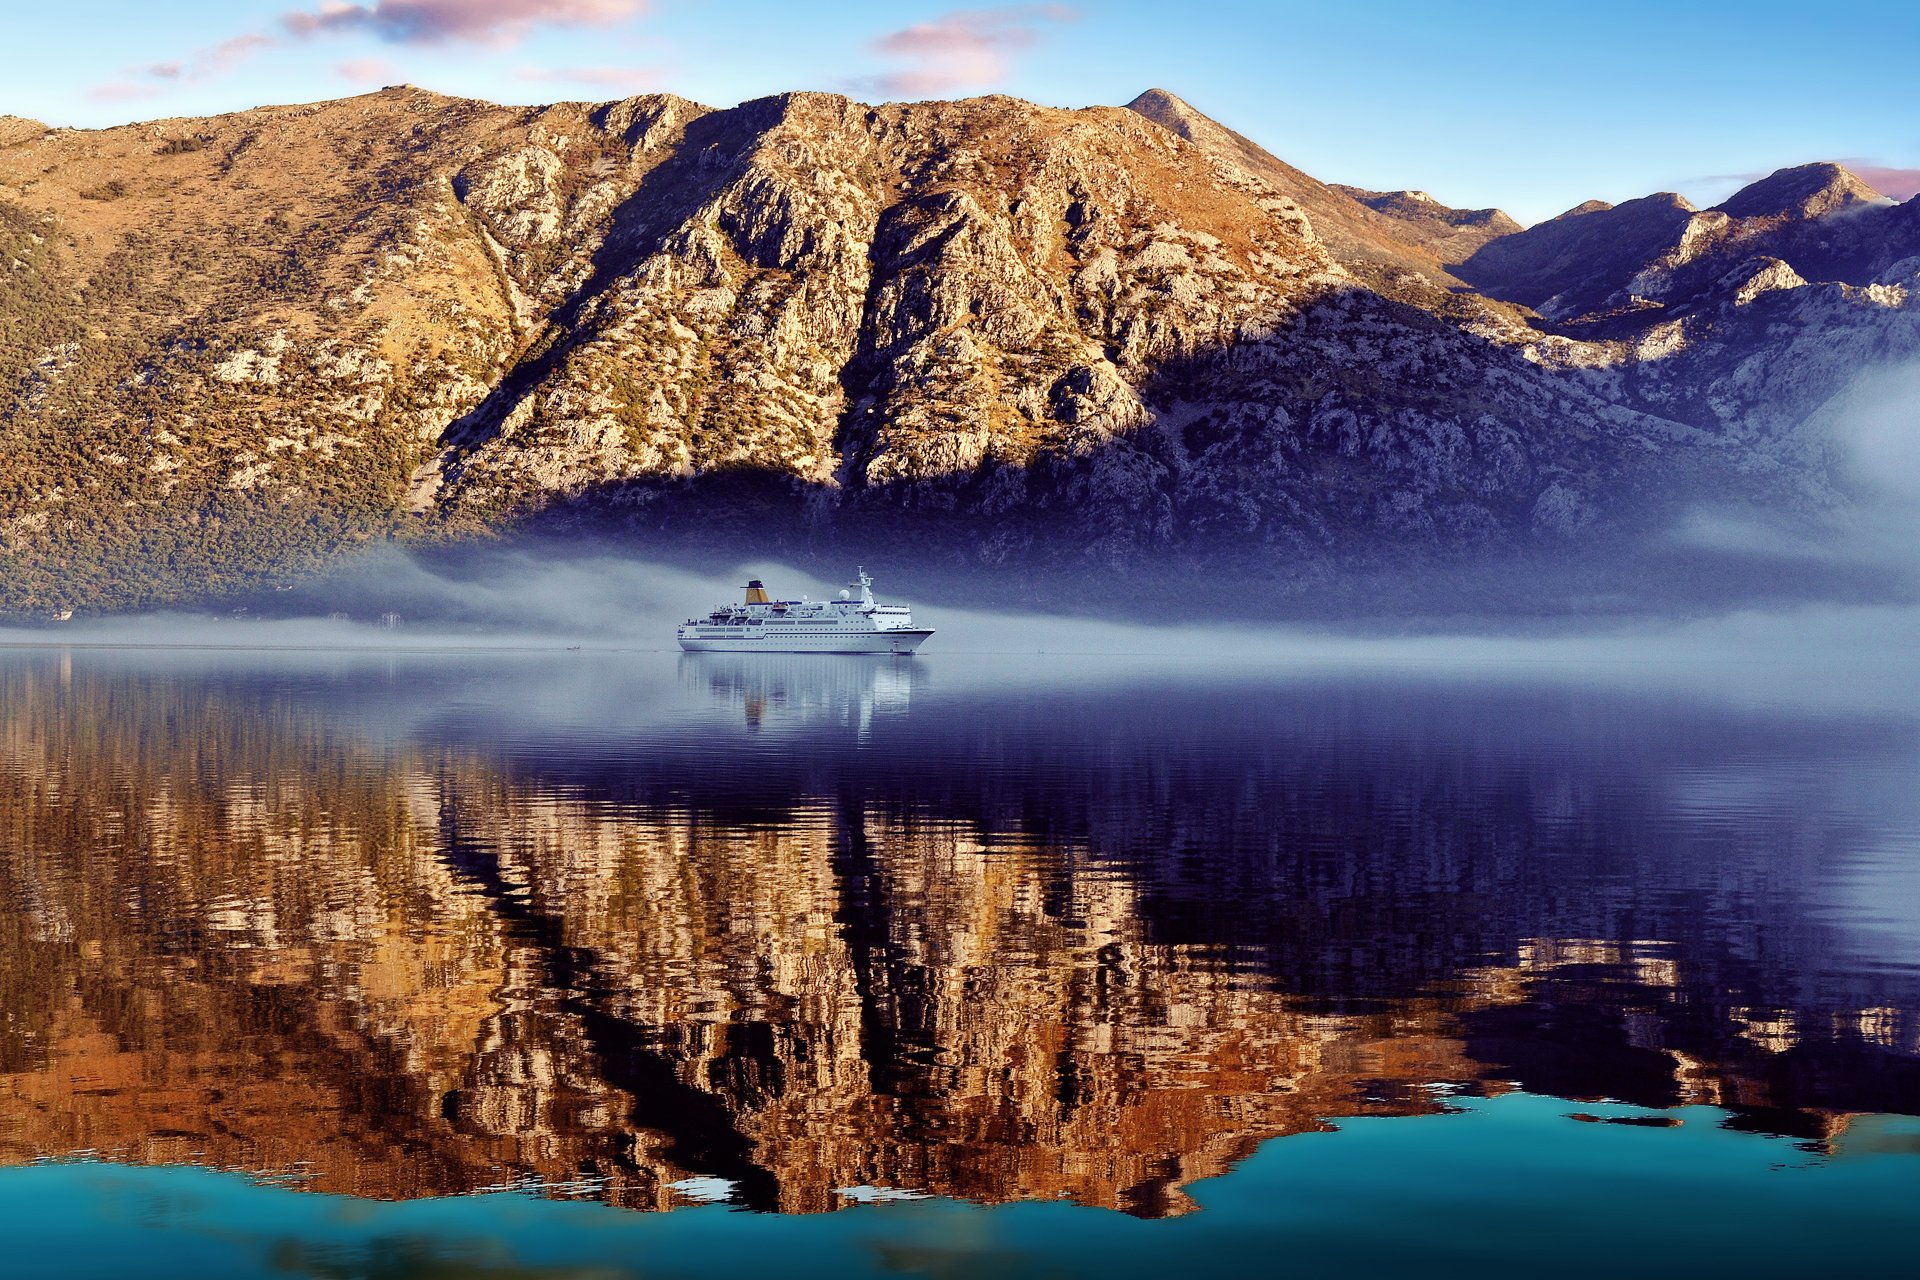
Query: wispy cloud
x: 367, y: 71
x: 125, y: 89
x: 152, y: 78
x: 1901, y: 184
x: 634, y: 79
x: 964, y: 49
x: 457, y: 21
x: 400, y: 22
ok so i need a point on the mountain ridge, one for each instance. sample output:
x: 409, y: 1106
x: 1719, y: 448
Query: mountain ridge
x: 239, y: 347
x: 1451, y: 235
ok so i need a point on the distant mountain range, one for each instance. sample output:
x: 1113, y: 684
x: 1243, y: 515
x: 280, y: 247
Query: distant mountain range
x: 233, y: 350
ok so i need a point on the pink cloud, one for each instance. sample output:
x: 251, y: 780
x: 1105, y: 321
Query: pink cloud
x: 967, y: 48
x: 1901, y: 184
x: 443, y: 21
x: 368, y: 71
x: 124, y: 91
x: 150, y: 79
x: 228, y: 53
x: 624, y: 79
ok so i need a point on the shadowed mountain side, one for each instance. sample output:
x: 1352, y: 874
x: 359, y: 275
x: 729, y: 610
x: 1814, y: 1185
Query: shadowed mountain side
x: 1358, y: 457
x: 1577, y: 261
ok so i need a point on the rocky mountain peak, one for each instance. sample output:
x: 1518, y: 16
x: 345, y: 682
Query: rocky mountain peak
x: 1381, y: 250
x: 1171, y: 111
x: 1801, y: 192
x: 1584, y: 207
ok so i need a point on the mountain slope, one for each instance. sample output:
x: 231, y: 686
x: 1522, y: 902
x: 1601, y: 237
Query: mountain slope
x: 1372, y: 246
x: 1064, y: 327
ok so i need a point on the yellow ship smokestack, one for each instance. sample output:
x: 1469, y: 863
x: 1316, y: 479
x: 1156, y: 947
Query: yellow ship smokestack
x: 757, y: 592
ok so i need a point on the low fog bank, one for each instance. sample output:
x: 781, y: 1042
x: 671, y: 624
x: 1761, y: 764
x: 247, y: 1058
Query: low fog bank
x: 1860, y: 658
x: 392, y: 599
x: 1867, y: 439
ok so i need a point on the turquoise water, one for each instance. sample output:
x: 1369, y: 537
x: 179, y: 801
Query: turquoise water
x: 1502, y: 1186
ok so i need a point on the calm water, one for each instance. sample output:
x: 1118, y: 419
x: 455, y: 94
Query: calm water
x: 476, y: 963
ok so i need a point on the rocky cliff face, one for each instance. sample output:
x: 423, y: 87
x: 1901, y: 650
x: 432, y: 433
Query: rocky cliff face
x: 235, y: 347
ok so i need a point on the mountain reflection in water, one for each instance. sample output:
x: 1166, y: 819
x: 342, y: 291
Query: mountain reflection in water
x: 656, y: 930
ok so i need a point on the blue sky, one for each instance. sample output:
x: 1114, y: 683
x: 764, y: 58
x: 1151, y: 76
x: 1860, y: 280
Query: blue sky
x: 1530, y: 106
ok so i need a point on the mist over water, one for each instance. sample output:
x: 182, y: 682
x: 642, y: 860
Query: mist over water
x: 1851, y: 656
x: 1867, y: 439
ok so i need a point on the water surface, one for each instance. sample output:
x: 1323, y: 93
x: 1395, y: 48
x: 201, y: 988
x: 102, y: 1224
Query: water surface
x: 1357, y: 964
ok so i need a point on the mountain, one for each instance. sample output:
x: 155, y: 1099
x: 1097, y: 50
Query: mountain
x: 1659, y: 252
x: 1450, y: 235
x: 1803, y: 192
x: 1585, y: 258
x: 234, y: 349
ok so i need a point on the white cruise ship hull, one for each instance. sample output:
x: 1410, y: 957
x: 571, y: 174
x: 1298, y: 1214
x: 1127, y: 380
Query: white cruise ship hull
x: 771, y: 640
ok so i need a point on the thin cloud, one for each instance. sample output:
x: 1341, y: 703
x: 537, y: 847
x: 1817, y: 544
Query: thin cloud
x: 153, y: 78
x: 1899, y: 184
x: 964, y: 49
x: 367, y: 71
x: 458, y: 21
x: 125, y: 90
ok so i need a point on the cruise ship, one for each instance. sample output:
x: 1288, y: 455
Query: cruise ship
x: 855, y: 623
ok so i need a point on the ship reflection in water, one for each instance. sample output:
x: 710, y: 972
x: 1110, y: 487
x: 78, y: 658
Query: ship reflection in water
x: 794, y: 933
x: 806, y: 692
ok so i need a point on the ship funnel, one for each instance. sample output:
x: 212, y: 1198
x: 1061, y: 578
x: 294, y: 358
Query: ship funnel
x: 756, y: 592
